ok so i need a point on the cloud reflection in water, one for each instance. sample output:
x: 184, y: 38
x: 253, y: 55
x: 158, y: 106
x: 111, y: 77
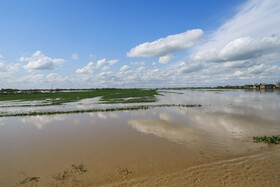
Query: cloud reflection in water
x: 165, y: 129
x: 41, y: 121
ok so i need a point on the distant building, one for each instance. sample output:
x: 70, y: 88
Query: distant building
x: 267, y: 86
x: 256, y: 86
x: 248, y: 86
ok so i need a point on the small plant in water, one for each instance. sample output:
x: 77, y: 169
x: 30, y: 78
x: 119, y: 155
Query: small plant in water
x: 267, y: 139
x: 62, y: 176
x: 126, y: 171
x: 29, y: 179
x: 80, y: 168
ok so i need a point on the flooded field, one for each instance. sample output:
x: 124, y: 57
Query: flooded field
x: 209, y: 145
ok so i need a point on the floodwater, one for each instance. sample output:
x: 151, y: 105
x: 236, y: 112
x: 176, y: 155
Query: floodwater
x: 202, y: 146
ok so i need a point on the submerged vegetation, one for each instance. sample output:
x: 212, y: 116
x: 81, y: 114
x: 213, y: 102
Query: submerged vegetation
x: 139, y: 107
x: 267, y: 139
x: 69, y: 176
x: 28, y: 179
x: 58, y: 97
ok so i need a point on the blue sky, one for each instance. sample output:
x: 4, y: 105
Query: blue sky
x: 147, y: 43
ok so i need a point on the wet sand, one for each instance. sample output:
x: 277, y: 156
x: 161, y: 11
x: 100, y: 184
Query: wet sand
x: 207, y: 146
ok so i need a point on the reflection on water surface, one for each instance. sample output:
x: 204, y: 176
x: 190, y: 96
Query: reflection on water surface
x: 211, y: 144
x: 165, y: 129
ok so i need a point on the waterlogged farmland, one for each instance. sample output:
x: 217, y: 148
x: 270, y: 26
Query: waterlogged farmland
x: 161, y: 137
x: 60, y: 97
x: 35, y: 103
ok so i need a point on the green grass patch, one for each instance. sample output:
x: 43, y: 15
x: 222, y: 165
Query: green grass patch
x: 107, y: 96
x: 140, y: 107
x: 267, y: 139
x: 128, y: 100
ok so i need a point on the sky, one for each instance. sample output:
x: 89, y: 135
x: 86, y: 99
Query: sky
x: 138, y: 43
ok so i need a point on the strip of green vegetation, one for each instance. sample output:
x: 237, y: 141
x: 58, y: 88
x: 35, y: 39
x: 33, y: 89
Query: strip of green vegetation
x: 107, y: 96
x: 129, y: 100
x: 267, y: 139
x: 140, y: 107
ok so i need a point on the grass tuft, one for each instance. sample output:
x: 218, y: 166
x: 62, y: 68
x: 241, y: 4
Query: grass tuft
x: 267, y: 139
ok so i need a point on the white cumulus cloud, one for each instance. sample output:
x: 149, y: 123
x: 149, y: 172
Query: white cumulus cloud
x: 124, y: 68
x: 164, y: 59
x: 240, y: 49
x: 168, y: 45
x: 190, y: 68
x: 38, y: 61
x: 106, y: 62
x: 92, y: 67
x: 89, y: 68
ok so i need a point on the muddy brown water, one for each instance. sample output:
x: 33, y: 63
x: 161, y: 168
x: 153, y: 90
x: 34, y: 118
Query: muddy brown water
x: 204, y: 146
